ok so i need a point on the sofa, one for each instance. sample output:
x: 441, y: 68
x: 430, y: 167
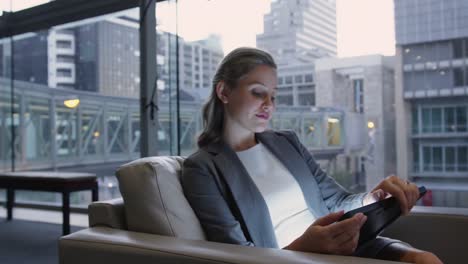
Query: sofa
x: 153, y: 223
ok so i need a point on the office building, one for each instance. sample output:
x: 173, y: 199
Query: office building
x: 103, y: 57
x: 198, y: 61
x: 303, y: 29
x: 296, y: 33
x: 362, y: 87
x: 432, y: 97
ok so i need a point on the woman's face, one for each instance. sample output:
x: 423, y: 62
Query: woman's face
x: 251, y: 104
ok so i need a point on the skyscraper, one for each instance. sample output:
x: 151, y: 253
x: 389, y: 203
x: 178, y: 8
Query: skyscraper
x: 300, y: 29
x: 296, y: 33
x: 432, y: 97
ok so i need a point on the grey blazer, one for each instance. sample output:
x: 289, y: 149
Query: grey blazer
x: 229, y: 205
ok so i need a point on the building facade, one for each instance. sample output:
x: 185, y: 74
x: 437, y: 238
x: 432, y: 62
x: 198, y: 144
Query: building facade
x: 304, y: 29
x: 363, y: 88
x: 296, y: 85
x: 109, y: 59
x: 33, y: 61
x: 296, y: 33
x: 45, y: 57
x: 198, y: 61
x: 432, y: 97
x: 103, y: 56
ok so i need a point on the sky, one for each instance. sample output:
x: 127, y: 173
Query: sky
x: 363, y: 26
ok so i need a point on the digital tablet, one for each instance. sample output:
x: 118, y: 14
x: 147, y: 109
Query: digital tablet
x: 379, y: 215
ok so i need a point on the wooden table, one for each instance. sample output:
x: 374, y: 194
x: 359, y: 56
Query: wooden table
x: 49, y: 181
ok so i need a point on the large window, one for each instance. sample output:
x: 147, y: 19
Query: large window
x: 6, y: 115
x: 75, y: 101
x: 451, y: 159
x: 320, y: 93
x: 440, y: 119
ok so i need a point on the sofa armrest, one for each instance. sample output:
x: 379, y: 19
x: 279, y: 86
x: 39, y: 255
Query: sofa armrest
x: 107, y: 245
x: 443, y: 231
x: 110, y: 213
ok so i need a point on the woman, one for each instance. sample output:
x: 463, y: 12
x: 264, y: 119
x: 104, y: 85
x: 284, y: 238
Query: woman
x: 256, y: 187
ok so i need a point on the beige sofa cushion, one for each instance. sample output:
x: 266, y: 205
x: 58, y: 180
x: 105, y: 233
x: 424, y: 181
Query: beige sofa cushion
x: 154, y: 200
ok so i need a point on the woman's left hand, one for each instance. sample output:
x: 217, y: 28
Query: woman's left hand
x: 405, y: 192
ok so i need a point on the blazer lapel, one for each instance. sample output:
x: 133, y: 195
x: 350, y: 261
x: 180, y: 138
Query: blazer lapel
x: 248, y: 198
x: 289, y: 156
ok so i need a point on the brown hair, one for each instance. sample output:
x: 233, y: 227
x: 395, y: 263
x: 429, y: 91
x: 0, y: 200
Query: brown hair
x: 236, y: 65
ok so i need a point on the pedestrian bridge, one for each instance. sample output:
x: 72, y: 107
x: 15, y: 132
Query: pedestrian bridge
x: 38, y: 131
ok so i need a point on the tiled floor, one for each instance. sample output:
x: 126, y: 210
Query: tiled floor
x: 54, y: 217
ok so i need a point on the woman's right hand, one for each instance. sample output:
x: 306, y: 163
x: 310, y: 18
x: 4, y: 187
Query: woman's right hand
x: 328, y: 236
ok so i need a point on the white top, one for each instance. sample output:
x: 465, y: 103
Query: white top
x: 281, y: 192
